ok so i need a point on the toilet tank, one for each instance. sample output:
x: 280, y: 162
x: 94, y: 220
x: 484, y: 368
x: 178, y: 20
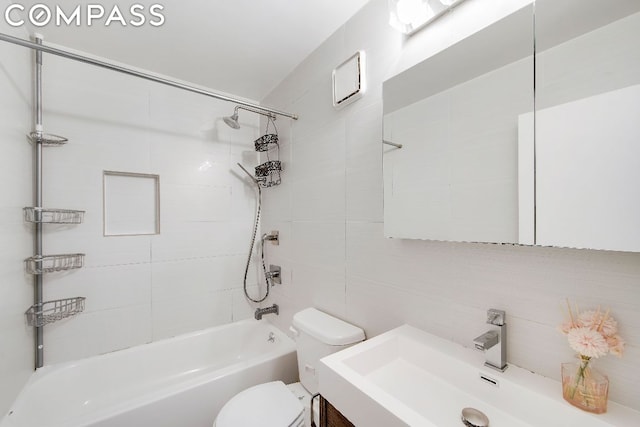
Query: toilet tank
x: 317, y: 335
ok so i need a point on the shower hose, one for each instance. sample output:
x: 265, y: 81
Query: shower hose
x: 253, y: 241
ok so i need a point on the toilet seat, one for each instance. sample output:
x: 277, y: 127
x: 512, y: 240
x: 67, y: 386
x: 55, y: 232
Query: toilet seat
x: 265, y: 405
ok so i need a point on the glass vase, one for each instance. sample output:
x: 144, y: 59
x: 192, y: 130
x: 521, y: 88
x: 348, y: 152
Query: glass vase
x: 584, y: 386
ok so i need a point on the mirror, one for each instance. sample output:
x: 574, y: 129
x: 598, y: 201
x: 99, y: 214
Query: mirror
x: 456, y: 116
x: 477, y: 164
x: 587, y: 124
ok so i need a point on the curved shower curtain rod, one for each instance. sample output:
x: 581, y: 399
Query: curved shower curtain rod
x: 168, y: 82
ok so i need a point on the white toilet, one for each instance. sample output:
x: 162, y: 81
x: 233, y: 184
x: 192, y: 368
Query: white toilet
x: 275, y: 404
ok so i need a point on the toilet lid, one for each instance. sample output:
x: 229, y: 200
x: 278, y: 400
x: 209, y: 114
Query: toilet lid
x: 265, y: 405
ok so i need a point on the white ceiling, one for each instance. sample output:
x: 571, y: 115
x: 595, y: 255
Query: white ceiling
x: 241, y: 47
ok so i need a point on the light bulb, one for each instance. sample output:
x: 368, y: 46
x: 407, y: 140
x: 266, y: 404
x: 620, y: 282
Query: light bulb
x: 407, y: 16
x: 408, y: 9
x: 413, y: 12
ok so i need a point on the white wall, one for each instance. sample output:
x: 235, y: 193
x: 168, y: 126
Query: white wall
x: 329, y: 211
x: 16, y: 288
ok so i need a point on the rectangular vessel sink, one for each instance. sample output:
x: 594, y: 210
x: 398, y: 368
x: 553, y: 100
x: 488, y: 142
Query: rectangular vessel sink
x: 409, y: 377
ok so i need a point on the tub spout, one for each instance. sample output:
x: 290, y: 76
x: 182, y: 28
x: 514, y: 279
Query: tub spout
x: 262, y: 311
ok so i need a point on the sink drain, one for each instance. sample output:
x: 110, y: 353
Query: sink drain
x: 473, y: 418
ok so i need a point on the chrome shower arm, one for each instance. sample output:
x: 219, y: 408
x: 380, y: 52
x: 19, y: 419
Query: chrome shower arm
x: 232, y: 121
x: 255, y: 110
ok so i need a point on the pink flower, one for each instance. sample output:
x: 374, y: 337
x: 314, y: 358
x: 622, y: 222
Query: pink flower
x: 616, y: 345
x: 588, y: 342
x: 565, y: 327
x: 592, y: 333
x: 596, y: 320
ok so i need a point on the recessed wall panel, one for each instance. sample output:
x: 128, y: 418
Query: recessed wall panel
x: 131, y: 205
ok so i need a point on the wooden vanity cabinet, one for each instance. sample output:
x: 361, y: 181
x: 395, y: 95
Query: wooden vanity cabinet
x: 331, y: 417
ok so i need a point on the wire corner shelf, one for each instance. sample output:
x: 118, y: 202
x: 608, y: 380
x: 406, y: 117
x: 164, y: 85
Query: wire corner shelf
x: 47, y: 139
x: 52, y: 311
x: 53, y: 216
x: 52, y: 263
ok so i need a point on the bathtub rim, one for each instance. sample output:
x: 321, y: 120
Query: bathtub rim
x: 48, y: 369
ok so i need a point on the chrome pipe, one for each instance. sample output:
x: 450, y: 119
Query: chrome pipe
x: 395, y: 144
x: 38, y: 85
x: 38, y: 279
x: 253, y: 110
x: 81, y: 58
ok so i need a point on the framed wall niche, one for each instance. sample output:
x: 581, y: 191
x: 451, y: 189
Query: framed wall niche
x: 131, y: 204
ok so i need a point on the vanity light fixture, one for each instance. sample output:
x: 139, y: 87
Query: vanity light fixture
x: 408, y: 16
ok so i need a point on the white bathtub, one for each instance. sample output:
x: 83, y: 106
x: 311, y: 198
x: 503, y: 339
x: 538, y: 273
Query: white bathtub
x: 182, y: 381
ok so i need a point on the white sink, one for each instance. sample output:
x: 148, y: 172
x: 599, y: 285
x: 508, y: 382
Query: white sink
x: 409, y: 377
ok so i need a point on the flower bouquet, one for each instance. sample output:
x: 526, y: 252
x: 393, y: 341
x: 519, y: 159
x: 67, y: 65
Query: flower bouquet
x: 592, y: 334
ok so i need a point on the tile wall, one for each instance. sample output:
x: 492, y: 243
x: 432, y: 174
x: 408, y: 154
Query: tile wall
x: 148, y: 287
x: 138, y: 288
x: 329, y: 211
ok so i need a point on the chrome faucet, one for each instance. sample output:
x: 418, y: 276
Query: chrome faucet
x: 262, y: 311
x: 494, y: 341
x: 273, y: 237
x: 274, y: 274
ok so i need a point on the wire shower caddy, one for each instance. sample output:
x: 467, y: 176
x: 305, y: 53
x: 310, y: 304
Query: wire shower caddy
x: 41, y: 264
x: 47, y: 140
x: 53, y: 216
x: 44, y: 312
x: 52, y: 311
x: 268, y: 173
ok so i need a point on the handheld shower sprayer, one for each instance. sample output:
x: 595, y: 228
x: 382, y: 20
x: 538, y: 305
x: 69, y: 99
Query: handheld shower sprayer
x: 266, y: 175
x: 253, y: 178
x: 272, y: 237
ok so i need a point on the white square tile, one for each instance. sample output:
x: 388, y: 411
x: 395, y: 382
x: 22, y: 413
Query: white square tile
x: 195, y: 203
x: 318, y: 175
x: 186, y: 314
x: 92, y: 333
x: 105, y: 288
x: 319, y: 243
x: 243, y: 308
x: 364, y: 186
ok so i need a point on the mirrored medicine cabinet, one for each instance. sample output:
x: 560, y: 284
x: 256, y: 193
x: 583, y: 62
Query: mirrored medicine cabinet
x: 526, y: 132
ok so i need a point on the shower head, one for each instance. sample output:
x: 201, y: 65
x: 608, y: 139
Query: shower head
x: 232, y: 121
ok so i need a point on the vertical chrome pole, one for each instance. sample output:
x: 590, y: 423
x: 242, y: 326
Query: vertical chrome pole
x: 37, y: 279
